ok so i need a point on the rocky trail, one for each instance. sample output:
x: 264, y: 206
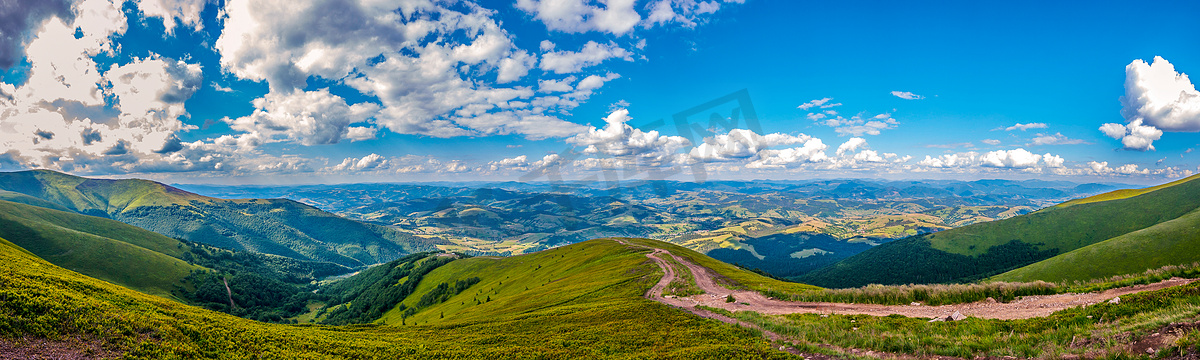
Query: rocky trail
x: 714, y: 296
x: 1023, y: 308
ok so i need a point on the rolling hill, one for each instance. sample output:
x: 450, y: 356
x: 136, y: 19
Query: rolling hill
x: 985, y: 249
x: 55, y: 311
x: 270, y: 226
x: 98, y: 247
x: 1173, y: 242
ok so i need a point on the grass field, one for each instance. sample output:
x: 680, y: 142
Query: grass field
x: 982, y: 250
x: 1174, y: 242
x: 98, y: 247
x: 1097, y: 331
x: 601, y: 318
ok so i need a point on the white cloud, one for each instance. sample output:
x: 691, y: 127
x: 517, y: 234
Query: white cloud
x: 173, y: 12
x: 1133, y: 136
x: 949, y: 160
x: 307, y: 117
x: 1130, y: 169
x: 423, y: 62
x: 858, y: 125
x: 1160, y: 96
x: 368, y: 162
x: 907, y: 95
x: 1156, y: 99
x: 741, y: 144
x: 1056, y: 139
x: 1023, y: 127
x: 822, y: 103
x: 515, y: 67
x: 618, y: 139
x: 1053, y: 161
x: 592, y: 53
x: 813, y: 151
x: 851, y: 145
x: 575, y: 16
x: 684, y: 12
x: 992, y: 142
x: 21, y: 17
x: 1018, y: 158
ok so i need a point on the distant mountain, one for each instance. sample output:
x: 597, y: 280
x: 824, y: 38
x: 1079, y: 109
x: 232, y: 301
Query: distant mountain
x: 1151, y: 218
x: 736, y: 221
x: 271, y: 226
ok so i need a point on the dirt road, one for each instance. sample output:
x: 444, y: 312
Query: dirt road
x: 715, y: 295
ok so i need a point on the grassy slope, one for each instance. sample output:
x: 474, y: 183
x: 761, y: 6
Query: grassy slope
x: 41, y: 300
x: 97, y: 247
x: 986, y: 249
x: 1174, y: 242
x: 1072, y: 227
x: 1124, y: 193
x: 274, y: 226
x: 597, y: 270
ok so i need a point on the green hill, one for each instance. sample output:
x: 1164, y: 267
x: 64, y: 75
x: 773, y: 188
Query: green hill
x: 271, y: 226
x: 1174, y: 242
x: 977, y: 251
x: 611, y: 320
x: 97, y: 247
x: 435, y: 289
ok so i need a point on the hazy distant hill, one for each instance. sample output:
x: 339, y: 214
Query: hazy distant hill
x: 785, y: 228
x: 273, y: 226
x: 1131, y: 230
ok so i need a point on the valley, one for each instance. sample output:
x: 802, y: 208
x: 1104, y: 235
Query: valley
x: 73, y: 282
x: 786, y: 229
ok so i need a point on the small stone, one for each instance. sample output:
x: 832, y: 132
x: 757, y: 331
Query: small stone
x: 937, y: 319
x: 1149, y: 350
x: 1116, y: 300
x: 915, y: 304
x: 782, y: 348
x: 1089, y: 316
x: 990, y: 300
x: 824, y: 315
x: 956, y: 316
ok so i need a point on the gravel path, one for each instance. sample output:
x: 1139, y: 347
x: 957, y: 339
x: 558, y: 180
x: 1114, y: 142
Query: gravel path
x: 1023, y: 308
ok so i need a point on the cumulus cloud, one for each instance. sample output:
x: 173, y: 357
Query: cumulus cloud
x: 741, y: 144
x: 173, y: 12
x: 1018, y: 158
x: 1157, y: 99
x: 1133, y: 136
x: 592, y: 53
x: 1023, y: 127
x: 72, y: 115
x: 992, y: 142
x: 813, y: 151
x: 851, y: 145
x: 368, y: 162
x: 1160, y: 96
x: 19, y: 18
x: 949, y: 160
x: 618, y: 139
x: 575, y: 16
x: 907, y: 95
x: 307, y: 117
x: 420, y: 61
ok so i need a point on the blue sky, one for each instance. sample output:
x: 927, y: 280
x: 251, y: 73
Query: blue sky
x: 348, y: 90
